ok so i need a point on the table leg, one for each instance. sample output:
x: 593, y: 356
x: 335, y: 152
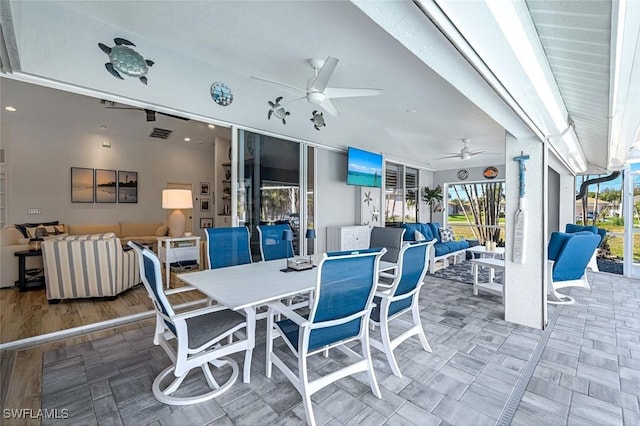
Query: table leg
x: 251, y: 331
x: 167, y: 267
x: 491, y: 274
x: 22, y: 273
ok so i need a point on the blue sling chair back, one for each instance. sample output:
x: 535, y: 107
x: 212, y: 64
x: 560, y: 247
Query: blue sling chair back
x: 339, y: 314
x: 203, y: 338
x: 569, y: 256
x: 272, y: 246
x: 400, y: 298
x: 228, y: 247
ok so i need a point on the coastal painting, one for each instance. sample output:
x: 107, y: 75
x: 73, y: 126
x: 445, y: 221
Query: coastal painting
x: 364, y: 168
x: 81, y: 185
x: 127, y: 187
x: 106, y: 189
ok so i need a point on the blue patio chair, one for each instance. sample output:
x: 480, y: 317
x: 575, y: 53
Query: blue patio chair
x: 571, y: 228
x: 339, y: 314
x: 203, y: 338
x: 272, y: 246
x: 228, y: 247
x: 401, y: 297
x: 569, y: 255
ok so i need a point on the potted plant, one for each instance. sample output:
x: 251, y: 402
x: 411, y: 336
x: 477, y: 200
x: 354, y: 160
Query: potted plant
x: 432, y: 197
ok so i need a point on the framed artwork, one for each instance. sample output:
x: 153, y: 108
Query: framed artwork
x: 106, y: 186
x: 204, y: 205
x: 127, y: 187
x: 81, y: 185
x: 204, y: 188
x: 206, y: 222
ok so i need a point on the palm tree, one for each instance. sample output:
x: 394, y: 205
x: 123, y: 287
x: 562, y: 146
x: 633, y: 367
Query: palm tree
x: 431, y: 197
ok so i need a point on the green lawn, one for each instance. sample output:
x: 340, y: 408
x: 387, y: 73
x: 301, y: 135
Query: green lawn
x: 615, y: 242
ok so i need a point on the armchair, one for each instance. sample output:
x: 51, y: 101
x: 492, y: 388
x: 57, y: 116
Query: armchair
x: 203, y: 337
x: 81, y: 266
x: 569, y: 256
x: 571, y: 228
x: 339, y: 314
x: 400, y: 297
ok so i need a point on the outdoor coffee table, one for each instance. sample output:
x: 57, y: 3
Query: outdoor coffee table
x: 482, y: 252
x: 491, y: 286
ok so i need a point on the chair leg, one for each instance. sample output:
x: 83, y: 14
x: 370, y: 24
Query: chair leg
x: 304, y: 389
x: 366, y: 353
x: 388, y: 350
x: 418, y: 324
x: 562, y: 299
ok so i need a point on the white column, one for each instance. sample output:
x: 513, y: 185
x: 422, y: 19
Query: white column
x: 524, y: 292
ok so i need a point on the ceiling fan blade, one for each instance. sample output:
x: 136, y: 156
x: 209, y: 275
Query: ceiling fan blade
x: 478, y: 151
x: 322, y: 79
x: 328, y: 106
x: 279, y: 83
x: 293, y: 100
x: 338, y: 92
x: 449, y: 156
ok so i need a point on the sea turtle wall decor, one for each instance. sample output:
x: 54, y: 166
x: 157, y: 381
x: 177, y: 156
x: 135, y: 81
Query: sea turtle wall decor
x: 278, y: 110
x: 125, y: 60
x: 318, y: 120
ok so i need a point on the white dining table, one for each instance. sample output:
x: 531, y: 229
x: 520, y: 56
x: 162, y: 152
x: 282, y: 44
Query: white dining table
x: 247, y: 287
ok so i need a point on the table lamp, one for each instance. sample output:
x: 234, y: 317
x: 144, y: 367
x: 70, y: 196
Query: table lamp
x: 310, y: 235
x: 287, y: 235
x: 177, y: 199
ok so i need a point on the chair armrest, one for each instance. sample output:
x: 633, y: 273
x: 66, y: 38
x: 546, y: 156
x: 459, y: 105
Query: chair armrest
x: 200, y: 311
x: 289, y: 313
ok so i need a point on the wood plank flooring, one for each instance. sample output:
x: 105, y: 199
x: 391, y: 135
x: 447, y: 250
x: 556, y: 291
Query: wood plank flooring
x: 28, y: 314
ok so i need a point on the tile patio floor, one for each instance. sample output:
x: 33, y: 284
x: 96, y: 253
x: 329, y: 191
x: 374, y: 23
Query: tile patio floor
x: 589, y: 371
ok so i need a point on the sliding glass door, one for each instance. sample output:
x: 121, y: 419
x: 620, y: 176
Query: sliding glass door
x: 273, y: 187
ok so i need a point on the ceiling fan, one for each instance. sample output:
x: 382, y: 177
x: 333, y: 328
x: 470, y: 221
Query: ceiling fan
x: 317, y: 91
x: 150, y: 114
x: 465, y: 153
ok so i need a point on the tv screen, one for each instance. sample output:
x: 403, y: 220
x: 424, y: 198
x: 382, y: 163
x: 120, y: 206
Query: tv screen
x: 364, y: 168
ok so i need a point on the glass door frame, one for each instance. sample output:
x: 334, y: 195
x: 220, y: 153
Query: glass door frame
x: 630, y: 268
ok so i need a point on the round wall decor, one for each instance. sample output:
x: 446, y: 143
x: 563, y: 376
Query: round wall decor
x: 221, y: 93
x: 463, y: 174
x: 490, y: 172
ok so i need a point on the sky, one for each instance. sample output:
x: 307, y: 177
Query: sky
x: 615, y: 184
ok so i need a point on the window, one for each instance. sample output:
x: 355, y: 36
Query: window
x: 401, y: 194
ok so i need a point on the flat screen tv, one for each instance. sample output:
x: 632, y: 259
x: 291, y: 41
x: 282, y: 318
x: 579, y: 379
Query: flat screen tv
x: 364, y: 168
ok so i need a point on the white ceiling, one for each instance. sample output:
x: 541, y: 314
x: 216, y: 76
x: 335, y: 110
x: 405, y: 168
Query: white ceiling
x: 418, y: 118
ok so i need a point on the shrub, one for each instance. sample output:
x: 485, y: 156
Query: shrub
x: 617, y: 221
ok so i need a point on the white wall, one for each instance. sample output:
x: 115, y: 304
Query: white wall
x: 525, y: 297
x: 39, y: 174
x: 336, y: 201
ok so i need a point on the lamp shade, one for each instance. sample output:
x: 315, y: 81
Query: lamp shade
x: 287, y: 235
x: 311, y: 234
x: 177, y: 199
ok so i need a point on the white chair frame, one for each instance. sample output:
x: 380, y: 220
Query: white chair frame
x: 563, y: 299
x: 301, y: 381
x: 386, y: 294
x: 185, y: 359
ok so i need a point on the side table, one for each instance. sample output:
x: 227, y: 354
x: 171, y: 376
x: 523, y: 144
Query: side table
x: 28, y: 283
x: 181, y: 251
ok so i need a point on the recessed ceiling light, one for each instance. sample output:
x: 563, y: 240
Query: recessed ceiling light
x: 211, y: 126
x: 10, y: 108
x: 187, y: 139
x: 411, y: 111
x: 103, y: 127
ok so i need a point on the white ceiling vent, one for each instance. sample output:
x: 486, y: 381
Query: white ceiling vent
x: 160, y: 133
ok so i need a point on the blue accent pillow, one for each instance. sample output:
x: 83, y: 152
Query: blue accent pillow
x: 435, y: 230
x: 572, y: 228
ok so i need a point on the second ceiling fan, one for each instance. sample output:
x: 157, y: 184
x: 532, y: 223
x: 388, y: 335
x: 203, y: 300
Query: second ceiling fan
x: 317, y: 91
x: 465, y: 153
